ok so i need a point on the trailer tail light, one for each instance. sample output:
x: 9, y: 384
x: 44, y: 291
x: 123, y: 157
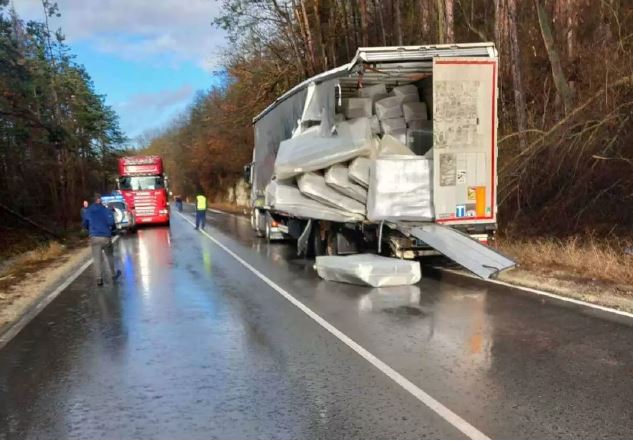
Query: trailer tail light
x: 481, y: 238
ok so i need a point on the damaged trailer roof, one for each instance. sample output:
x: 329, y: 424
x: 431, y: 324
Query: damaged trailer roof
x: 393, y: 65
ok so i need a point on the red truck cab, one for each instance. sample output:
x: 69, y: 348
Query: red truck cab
x: 143, y: 186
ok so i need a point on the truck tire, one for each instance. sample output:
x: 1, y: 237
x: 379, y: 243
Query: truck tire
x: 317, y: 247
x: 267, y: 230
x: 255, y: 221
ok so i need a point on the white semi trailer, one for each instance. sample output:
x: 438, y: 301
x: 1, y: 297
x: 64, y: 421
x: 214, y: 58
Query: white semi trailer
x: 458, y: 83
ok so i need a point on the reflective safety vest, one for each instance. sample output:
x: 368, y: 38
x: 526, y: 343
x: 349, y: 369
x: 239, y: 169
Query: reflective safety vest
x: 201, y: 202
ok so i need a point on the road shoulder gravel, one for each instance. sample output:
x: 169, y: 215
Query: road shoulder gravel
x: 21, y: 301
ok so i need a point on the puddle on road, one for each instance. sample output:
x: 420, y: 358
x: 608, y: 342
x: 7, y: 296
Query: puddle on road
x: 405, y: 310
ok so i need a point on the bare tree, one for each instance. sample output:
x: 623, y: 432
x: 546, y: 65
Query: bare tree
x: 292, y: 36
x: 397, y: 21
x: 517, y: 77
x: 346, y: 29
x: 364, y: 20
x: 562, y: 86
x: 441, y: 26
x: 450, y: 28
x: 332, y: 27
x: 380, y: 22
x: 319, y: 32
x: 302, y: 18
x: 423, y: 7
x: 501, y: 24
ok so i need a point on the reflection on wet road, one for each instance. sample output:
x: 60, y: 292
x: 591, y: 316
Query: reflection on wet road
x: 191, y: 344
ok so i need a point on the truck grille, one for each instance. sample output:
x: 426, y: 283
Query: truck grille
x: 145, y: 204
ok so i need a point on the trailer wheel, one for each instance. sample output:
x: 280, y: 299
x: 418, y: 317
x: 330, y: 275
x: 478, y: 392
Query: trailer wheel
x: 267, y: 231
x: 316, y: 247
x: 255, y: 221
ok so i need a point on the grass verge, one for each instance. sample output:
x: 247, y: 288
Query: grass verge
x: 17, y: 268
x: 584, y: 268
x: 230, y: 208
x: 588, y: 259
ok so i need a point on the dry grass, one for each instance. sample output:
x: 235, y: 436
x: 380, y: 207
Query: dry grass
x: 579, y: 258
x: 29, y: 262
x: 230, y: 208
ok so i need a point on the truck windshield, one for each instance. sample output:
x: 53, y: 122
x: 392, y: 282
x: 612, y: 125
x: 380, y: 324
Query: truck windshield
x: 141, y: 183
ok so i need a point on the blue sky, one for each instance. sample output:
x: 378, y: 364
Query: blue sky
x: 149, y: 57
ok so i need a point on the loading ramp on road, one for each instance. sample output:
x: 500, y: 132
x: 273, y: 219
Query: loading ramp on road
x: 459, y: 247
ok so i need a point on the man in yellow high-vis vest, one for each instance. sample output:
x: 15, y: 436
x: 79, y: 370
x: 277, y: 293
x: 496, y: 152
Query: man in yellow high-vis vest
x: 201, y: 210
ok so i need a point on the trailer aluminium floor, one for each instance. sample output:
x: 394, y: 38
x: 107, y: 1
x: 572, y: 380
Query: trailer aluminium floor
x: 459, y: 247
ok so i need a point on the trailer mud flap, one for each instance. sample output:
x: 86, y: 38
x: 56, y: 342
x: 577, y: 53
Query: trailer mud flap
x: 461, y: 248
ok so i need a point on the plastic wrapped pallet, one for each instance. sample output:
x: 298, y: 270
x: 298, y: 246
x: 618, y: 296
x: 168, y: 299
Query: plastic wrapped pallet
x: 400, y: 188
x: 414, y: 111
x: 311, y: 151
x: 357, y: 107
x: 313, y: 186
x: 392, y: 125
x: 392, y: 145
x: 368, y: 269
x: 374, y: 124
x: 390, y: 107
x: 287, y: 198
x: 337, y: 177
x: 274, y: 188
x: 373, y: 91
x: 407, y: 89
x: 400, y: 135
x: 359, y: 171
x: 409, y: 93
x: 389, y: 145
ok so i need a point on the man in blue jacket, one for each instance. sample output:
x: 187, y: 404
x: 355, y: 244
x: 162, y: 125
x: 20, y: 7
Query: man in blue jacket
x: 99, y: 221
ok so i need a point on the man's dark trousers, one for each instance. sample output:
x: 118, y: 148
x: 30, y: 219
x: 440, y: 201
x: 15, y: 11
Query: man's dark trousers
x: 200, y: 218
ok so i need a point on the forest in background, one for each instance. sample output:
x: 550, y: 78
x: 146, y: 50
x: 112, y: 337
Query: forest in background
x: 566, y: 95
x: 58, y: 139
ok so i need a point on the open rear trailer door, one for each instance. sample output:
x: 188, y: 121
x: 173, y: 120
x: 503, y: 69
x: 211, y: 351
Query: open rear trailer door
x: 459, y: 247
x: 464, y: 162
x: 464, y: 140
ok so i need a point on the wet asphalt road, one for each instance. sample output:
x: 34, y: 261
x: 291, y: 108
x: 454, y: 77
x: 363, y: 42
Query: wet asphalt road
x: 192, y: 344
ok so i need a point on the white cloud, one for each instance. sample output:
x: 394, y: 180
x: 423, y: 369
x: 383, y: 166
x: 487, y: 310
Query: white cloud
x: 145, y: 110
x: 158, y: 101
x: 143, y: 30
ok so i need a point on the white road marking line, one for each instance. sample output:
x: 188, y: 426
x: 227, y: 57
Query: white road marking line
x: 16, y: 327
x: 213, y: 210
x: 546, y: 294
x: 448, y: 415
x: 241, y: 218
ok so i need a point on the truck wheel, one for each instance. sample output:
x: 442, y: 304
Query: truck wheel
x: 267, y: 231
x: 255, y: 221
x: 317, y: 246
